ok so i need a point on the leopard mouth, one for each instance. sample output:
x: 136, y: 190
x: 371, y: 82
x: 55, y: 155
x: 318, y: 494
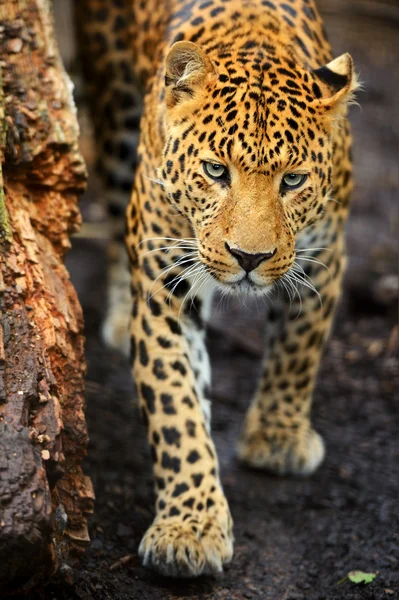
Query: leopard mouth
x: 246, y: 285
x: 240, y: 283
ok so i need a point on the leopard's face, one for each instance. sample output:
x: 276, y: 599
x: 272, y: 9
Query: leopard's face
x: 248, y: 161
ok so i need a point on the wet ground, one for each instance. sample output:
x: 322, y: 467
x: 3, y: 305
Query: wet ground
x: 295, y: 539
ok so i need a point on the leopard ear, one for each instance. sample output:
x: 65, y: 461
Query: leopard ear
x: 187, y: 68
x: 339, y: 83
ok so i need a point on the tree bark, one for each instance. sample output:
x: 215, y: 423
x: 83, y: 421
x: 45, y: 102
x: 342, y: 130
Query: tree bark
x: 45, y: 497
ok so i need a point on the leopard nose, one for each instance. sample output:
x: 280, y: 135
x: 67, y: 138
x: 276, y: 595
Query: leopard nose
x: 249, y: 261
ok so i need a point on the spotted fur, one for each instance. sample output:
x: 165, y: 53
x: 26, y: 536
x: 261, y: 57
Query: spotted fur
x: 250, y: 88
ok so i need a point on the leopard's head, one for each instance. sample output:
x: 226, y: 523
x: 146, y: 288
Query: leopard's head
x: 248, y: 155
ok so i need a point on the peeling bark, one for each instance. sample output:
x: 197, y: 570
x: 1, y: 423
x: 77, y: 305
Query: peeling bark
x: 45, y: 497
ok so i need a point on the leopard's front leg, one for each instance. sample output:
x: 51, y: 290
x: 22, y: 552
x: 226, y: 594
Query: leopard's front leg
x: 278, y: 435
x: 192, y: 530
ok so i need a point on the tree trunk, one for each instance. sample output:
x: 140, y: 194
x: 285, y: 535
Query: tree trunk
x: 44, y: 496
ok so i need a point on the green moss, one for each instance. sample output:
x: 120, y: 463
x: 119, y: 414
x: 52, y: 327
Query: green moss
x: 5, y: 227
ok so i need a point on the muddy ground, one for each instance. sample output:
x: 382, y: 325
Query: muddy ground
x: 295, y: 539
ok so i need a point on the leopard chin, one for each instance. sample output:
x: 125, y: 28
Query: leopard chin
x: 246, y: 285
x: 246, y: 288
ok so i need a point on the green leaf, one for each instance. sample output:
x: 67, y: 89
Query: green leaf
x: 361, y: 577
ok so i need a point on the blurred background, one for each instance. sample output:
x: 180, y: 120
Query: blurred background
x: 295, y: 539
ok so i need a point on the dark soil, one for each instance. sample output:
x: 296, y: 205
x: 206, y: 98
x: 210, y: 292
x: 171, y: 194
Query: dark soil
x: 295, y: 539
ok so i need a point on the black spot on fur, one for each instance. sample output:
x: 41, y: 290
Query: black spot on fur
x: 191, y: 427
x: 174, y: 512
x: 146, y: 328
x: 163, y: 342
x: 154, y: 455
x: 133, y: 351
x: 149, y: 397
x: 197, y: 478
x: 179, y: 489
x: 143, y: 353
x: 303, y: 383
x: 154, y: 307
x: 189, y: 503
x: 167, y: 404
x: 288, y: 9
x: 178, y: 366
x: 216, y: 11
x: 173, y: 326
x: 171, y: 463
x: 193, y: 457
x: 171, y: 436
x: 268, y: 4
x: 187, y: 400
x: 179, y: 289
x: 160, y: 482
x: 158, y: 369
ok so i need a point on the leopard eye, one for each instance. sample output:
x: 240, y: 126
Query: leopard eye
x: 292, y: 181
x: 215, y: 171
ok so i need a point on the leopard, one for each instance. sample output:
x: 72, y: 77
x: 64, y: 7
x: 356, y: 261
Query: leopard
x: 223, y: 136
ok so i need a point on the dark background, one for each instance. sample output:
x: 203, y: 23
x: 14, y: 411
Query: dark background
x: 295, y: 539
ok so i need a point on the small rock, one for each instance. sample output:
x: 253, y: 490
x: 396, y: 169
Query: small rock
x: 15, y: 45
x: 61, y: 518
x: 97, y: 544
x: 386, y: 290
x: 124, y: 530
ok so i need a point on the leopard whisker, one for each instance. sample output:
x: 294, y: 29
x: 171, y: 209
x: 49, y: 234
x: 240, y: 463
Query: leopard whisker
x: 167, y: 249
x: 198, y: 268
x: 205, y: 278
x: 200, y: 280
x: 183, y: 275
x: 315, y: 261
x: 192, y: 241
x: 299, y: 250
x: 294, y: 288
x: 183, y: 260
x: 285, y: 282
x: 303, y: 279
x: 176, y: 280
x: 158, y: 181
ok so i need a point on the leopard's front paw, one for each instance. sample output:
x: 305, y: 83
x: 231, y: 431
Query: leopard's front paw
x: 115, y: 331
x: 176, y: 548
x: 115, y: 328
x: 282, y: 452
